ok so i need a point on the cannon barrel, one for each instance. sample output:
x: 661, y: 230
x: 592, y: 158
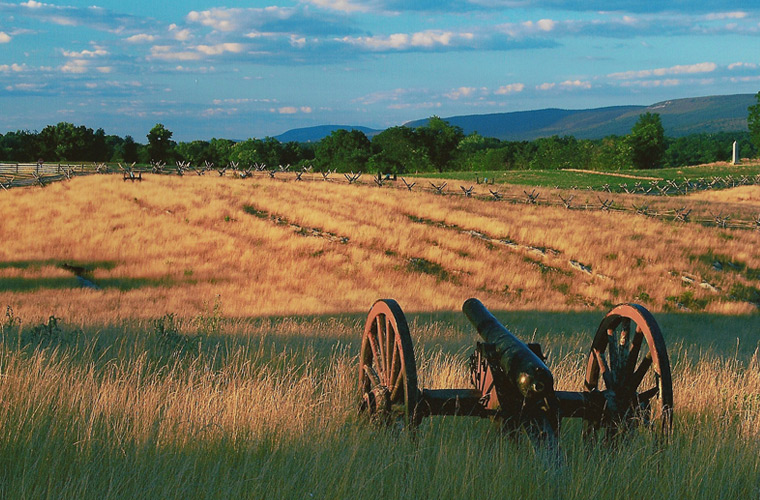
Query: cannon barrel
x: 523, y: 367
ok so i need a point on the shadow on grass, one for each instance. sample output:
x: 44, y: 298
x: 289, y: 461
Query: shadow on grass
x: 90, y: 265
x: 19, y: 284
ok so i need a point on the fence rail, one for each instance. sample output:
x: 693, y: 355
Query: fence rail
x: 26, y: 174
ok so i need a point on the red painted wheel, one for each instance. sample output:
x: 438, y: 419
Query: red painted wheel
x: 628, y: 381
x: 387, y: 371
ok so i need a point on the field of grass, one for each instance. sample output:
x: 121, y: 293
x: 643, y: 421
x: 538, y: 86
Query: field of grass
x: 566, y: 179
x: 218, y: 357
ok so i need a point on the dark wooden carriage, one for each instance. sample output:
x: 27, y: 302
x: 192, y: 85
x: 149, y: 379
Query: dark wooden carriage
x: 627, y: 382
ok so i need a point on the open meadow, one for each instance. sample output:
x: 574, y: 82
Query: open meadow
x: 198, y: 337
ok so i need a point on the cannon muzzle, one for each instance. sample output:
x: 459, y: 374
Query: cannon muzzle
x: 522, y: 367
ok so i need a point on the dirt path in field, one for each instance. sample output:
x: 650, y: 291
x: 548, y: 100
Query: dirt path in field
x: 611, y: 174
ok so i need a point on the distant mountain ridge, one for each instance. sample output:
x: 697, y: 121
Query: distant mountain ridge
x: 680, y: 117
x: 313, y: 134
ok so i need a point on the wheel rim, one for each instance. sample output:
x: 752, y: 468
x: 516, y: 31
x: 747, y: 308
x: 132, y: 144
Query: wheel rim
x: 628, y: 377
x: 387, y: 371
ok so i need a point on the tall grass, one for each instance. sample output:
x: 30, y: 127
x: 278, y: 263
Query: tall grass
x: 269, y: 247
x: 267, y: 408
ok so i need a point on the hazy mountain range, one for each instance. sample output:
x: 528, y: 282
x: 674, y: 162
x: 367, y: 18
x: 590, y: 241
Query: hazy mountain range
x: 726, y: 113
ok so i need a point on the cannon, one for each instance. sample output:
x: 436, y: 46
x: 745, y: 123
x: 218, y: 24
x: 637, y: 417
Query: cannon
x: 627, y: 382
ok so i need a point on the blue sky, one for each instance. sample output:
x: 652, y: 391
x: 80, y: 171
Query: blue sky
x: 237, y: 69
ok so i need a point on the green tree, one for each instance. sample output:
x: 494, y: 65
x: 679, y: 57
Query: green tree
x: 753, y: 122
x: 647, y: 141
x: 441, y: 140
x: 160, y: 145
x: 397, y: 150
x: 129, y: 150
x: 343, y: 151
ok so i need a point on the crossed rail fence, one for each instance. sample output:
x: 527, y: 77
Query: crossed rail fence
x: 29, y: 174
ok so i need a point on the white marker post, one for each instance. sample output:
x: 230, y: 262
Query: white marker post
x: 735, y: 160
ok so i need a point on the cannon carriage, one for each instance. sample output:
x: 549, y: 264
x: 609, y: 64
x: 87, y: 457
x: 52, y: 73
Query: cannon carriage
x: 627, y: 381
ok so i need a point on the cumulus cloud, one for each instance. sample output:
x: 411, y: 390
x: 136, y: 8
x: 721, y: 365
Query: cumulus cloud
x: 705, y: 67
x: 575, y: 84
x: 194, y: 53
x: 512, y: 88
x: 4, y: 37
x: 291, y: 110
x: 15, y: 68
x: 141, y: 38
x: 281, y: 20
x: 407, y: 41
x: 93, y: 17
x: 742, y: 65
x: 463, y: 92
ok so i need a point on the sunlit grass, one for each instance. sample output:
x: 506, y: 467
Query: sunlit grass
x: 271, y: 247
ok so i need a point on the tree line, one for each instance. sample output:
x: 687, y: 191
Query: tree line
x: 436, y: 146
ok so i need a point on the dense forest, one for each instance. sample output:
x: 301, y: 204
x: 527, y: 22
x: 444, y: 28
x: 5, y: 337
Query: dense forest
x: 437, y: 146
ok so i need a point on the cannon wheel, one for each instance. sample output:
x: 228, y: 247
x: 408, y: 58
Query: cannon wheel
x: 636, y: 377
x: 387, y: 371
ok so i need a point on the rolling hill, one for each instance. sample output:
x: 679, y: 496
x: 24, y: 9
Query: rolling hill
x: 680, y: 117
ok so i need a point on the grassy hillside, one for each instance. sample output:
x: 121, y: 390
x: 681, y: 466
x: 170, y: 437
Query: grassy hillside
x: 268, y: 247
x: 218, y: 358
x: 680, y: 117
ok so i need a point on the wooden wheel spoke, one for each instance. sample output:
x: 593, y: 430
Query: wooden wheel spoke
x: 612, y: 349
x: 645, y: 396
x: 604, y: 369
x: 397, y: 386
x: 389, y: 347
x: 633, y: 355
x: 381, y: 346
x: 374, y: 348
x: 641, y: 372
x: 625, y: 334
x: 372, y: 376
x: 395, y: 367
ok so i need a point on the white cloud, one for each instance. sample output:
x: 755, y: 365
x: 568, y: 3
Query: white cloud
x: 546, y: 86
x: 545, y: 24
x: 339, y: 5
x: 141, y: 38
x: 670, y: 82
x: 510, y: 89
x: 166, y: 52
x: 705, y: 67
x: 98, y: 52
x: 16, y: 68
x: 575, y: 84
x: 29, y: 87
x: 104, y: 69
x: 741, y: 65
x: 719, y: 16
x: 291, y: 110
x: 218, y: 49
x: 461, y: 92
x: 4, y: 37
x: 76, y: 66
x: 181, y: 35
x: 404, y: 41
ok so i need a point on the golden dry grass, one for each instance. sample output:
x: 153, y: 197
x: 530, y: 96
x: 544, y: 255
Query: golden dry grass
x: 117, y: 404
x: 173, y: 244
